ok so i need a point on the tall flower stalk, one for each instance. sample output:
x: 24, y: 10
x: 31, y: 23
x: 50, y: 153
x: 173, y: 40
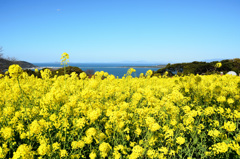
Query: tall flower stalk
x: 218, y: 65
x: 64, y: 61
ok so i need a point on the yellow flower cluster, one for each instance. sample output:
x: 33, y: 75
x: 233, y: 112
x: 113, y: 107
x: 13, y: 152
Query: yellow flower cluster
x: 46, y: 74
x: 134, y: 117
x: 180, y: 140
x: 15, y: 70
x: 64, y: 58
x: 104, y: 149
x: 218, y: 65
x: 219, y: 148
x: 229, y: 126
x: 83, y: 75
x: 24, y: 152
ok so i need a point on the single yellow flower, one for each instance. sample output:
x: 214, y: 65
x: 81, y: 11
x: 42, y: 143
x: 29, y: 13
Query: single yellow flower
x: 218, y: 65
x: 180, y: 140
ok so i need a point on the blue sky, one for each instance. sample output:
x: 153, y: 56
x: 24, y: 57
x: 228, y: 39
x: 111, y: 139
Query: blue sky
x: 152, y: 31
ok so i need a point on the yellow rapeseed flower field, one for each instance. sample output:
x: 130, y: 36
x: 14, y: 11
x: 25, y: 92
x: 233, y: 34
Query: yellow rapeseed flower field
x: 146, y: 117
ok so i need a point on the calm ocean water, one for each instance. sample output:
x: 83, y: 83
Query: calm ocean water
x: 116, y: 69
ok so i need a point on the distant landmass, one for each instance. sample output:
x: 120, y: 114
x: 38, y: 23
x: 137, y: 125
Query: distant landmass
x: 157, y: 66
x: 4, y: 64
x: 202, y: 68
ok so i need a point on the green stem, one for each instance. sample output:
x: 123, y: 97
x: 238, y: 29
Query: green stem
x: 25, y: 108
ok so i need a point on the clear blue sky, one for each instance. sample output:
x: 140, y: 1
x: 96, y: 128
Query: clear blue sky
x: 157, y: 31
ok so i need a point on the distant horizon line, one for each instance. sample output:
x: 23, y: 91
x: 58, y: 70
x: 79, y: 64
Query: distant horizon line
x: 141, y: 62
x: 106, y: 62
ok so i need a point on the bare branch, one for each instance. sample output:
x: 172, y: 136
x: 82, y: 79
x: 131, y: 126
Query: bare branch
x: 13, y: 59
x: 89, y: 72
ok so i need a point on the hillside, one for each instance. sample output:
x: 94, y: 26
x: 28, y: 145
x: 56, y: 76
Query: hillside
x: 4, y: 64
x: 197, y: 67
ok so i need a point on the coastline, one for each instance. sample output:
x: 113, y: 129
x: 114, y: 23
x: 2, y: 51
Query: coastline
x: 160, y: 66
x: 118, y: 70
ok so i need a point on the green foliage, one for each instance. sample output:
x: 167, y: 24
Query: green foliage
x: 31, y: 72
x: 201, y: 67
x: 69, y: 70
x: 57, y: 72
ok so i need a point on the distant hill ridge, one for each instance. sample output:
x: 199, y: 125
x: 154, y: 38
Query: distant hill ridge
x: 4, y: 64
x: 198, y: 67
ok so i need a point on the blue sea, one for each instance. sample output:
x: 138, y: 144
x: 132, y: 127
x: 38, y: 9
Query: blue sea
x: 116, y: 69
